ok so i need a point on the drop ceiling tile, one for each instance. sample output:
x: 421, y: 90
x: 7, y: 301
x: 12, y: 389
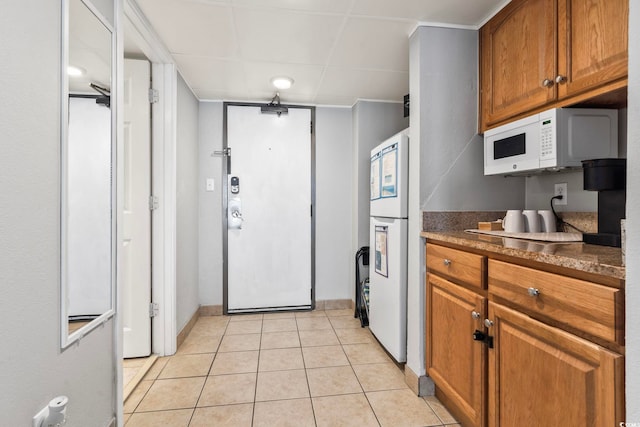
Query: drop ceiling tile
x: 364, y: 84
x: 408, y: 9
x: 306, y: 77
x: 458, y: 12
x: 284, y: 36
x: 285, y: 98
x: 374, y: 43
x: 346, y: 101
x: 192, y: 28
x: 212, y: 75
x: 331, y: 6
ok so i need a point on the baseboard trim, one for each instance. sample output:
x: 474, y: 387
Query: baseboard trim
x: 334, y: 304
x: 329, y: 304
x: 420, y: 385
x: 187, y: 328
x: 210, y: 310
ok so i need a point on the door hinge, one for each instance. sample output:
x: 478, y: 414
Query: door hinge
x: 154, y: 308
x: 225, y: 152
x: 154, y: 203
x: 153, y: 96
x: 311, y: 123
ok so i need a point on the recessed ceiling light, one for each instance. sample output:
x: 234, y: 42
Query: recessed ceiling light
x: 73, y: 71
x: 282, y: 82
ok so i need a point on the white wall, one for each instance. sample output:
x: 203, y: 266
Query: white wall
x: 633, y: 220
x: 33, y: 368
x: 210, y: 203
x: 334, y: 158
x: 446, y: 154
x: 187, y: 299
x: 333, y: 203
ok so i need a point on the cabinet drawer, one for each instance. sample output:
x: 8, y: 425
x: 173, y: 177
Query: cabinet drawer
x: 585, y: 306
x: 459, y: 265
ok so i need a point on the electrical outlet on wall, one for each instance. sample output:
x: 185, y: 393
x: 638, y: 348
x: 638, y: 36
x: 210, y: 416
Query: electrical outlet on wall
x: 560, y: 190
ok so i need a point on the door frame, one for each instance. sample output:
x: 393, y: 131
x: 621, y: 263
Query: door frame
x: 225, y: 198
x: 163, y: 179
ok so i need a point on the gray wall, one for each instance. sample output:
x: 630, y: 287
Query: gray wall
x: 633, y: 220
x: 34, y: 369
x: 187, y: 299
x: 334, y: 158
x: 443, y: 79
x: 373, y: 122
x: 333, y: 203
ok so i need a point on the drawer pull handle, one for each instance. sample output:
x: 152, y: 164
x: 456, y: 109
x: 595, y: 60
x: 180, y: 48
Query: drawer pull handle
x: 488, y: 323
x: 475, y: 314
x: 447, y: 262
x: 547, y: 83
x: 534, y: 292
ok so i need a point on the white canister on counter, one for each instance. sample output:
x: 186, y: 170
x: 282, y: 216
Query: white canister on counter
x: 548, y: 221
x: 513, y: 221
x: 531, y: 221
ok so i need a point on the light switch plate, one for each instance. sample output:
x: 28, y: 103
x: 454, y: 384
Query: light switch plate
x: 210, y: 184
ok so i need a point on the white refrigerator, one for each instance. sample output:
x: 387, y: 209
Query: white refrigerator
x: 388, y: 244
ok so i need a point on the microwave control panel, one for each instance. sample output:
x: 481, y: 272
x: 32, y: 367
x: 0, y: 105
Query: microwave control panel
x: 547, y: 143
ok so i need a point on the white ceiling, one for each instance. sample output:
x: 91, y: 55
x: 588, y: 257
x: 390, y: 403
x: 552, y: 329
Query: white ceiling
x: 337, y: 51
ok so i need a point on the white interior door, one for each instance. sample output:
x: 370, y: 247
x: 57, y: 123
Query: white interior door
x: 269, y: 257
x: 136, y: 246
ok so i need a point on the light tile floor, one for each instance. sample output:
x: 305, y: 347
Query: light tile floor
x: 299, y: 369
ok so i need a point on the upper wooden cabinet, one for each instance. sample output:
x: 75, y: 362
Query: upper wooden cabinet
x: 538, y: 54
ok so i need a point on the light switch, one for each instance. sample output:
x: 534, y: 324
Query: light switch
x: 210, y: 184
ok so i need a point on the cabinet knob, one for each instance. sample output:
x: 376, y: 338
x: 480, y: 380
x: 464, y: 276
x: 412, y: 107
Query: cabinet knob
x: 534, y: 292
x: 447, y: 262
x: 560, y: 79
x: 475, y: 314
x: 547, y: 83
x: 488, y: 323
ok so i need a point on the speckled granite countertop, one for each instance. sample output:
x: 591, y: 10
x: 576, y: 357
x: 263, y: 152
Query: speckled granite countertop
x: 602, y: 260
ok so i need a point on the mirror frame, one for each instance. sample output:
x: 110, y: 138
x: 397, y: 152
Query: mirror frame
x: 66, y: 338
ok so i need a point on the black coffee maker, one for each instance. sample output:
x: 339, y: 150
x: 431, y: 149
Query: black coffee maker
x: 609, y: 178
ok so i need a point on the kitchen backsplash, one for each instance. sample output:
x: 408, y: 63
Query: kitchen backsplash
x: 455, y: 220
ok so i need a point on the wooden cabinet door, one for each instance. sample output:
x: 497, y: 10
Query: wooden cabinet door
x: 455, y: 362
x: 592, y: 43
x: 542, y: 376
x: 517, y: 51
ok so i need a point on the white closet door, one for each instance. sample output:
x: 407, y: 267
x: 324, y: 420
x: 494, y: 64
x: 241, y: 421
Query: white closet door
x: 136, y: 245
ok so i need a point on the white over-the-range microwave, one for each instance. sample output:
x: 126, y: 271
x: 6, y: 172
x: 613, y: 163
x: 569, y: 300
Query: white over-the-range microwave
x: 555, y: 139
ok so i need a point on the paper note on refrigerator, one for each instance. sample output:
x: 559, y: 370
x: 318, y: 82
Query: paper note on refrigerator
x: 375, y: 177
x: 390, y: 171
x: 381, y: 251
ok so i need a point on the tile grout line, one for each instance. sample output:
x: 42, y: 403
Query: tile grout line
x: 306, y: 376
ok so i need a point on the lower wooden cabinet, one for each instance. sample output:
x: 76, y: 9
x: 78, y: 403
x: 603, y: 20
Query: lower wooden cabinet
x: 542, y: 376
x: 455, y: 362
x: 498, y: 360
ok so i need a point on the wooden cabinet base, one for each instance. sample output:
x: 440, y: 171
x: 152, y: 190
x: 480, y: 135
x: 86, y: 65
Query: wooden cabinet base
x: 540, y: 375
x: 453, y: 409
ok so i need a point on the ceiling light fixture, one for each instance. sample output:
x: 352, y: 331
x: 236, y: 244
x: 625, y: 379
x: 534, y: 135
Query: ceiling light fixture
x: 282, y: 82
x: 73, y: 71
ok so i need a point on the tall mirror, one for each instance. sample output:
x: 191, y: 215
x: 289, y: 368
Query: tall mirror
x: 87, y: 172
